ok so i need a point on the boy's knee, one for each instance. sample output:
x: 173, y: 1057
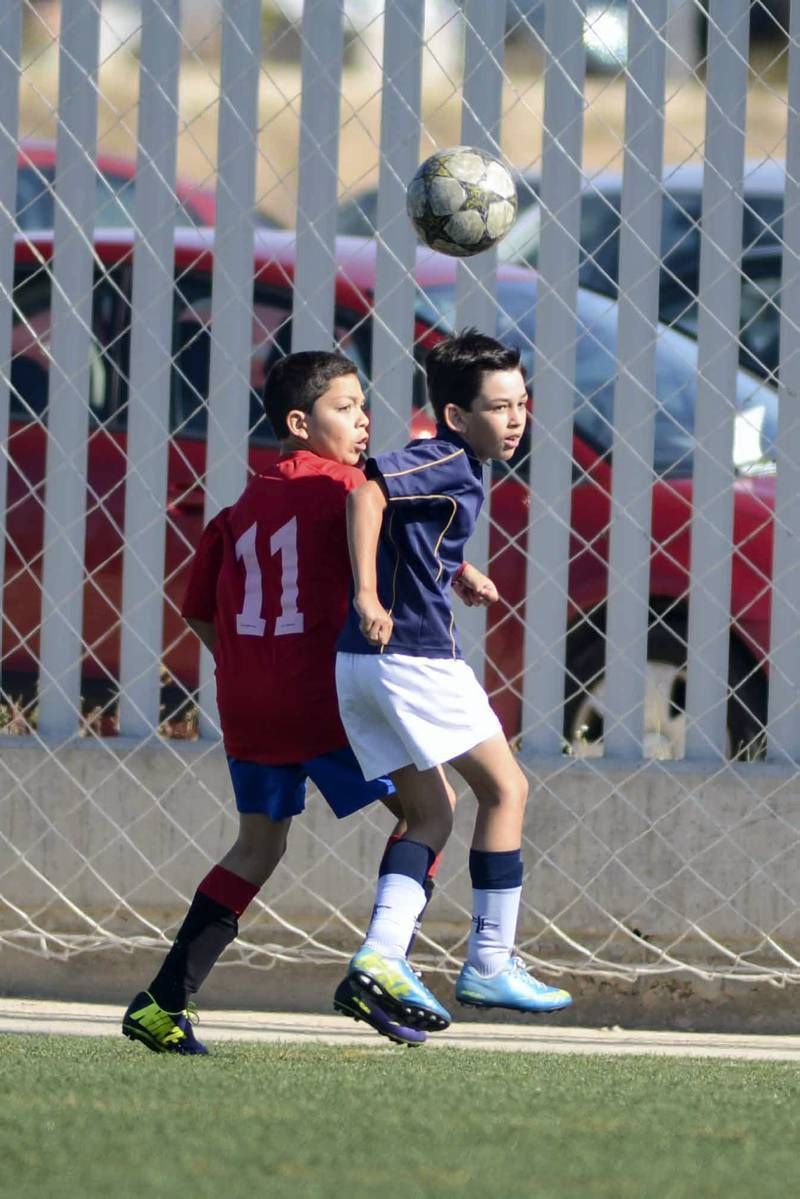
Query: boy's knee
x: 511, y: 792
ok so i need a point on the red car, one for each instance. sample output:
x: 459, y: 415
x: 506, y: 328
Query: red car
x: 510, y: 499
x: 116, y: 187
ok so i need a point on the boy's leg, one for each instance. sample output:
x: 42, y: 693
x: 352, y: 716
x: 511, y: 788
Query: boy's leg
x: 211, y: 923
x: 266, y: 797
x: 380, y: 966
x: 426, y: 800
x: 342, y: 784
x: 492, y: 976
x: 399, y: 833
x: 428, y: 883
x: 158, y: 1017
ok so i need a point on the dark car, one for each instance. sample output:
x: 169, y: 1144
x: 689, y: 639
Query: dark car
x: 273, y: 263
x: 681, y: 219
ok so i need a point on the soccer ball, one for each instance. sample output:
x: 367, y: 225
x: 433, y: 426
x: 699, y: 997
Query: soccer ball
x: 461, y: 201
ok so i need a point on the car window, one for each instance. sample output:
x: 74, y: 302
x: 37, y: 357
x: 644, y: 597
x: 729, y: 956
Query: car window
x: 34, y: 198
x: 116, y: 196
x: 760, y: 317
x: 271, y: 340
x: 191, y: 356
x: 599, y: 249
x: 30, y: 347
x: 759, y: 310
x: 357, y: 215
x: 762, y: 221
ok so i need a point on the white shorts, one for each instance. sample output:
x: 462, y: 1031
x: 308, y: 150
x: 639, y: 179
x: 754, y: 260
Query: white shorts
x: 399, y: 710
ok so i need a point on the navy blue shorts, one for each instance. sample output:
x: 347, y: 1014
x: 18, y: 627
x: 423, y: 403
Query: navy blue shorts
x: 279, y: 792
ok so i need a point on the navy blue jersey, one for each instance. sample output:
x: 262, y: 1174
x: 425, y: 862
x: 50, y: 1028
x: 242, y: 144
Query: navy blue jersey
x: 435, y: 491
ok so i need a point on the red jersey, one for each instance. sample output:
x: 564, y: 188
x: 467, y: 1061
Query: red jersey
x: 273, y: 574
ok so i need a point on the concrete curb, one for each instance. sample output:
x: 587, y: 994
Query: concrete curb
x: 103, y: 1020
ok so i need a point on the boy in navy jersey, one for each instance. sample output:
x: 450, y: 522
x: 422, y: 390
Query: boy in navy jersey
x: 268, y: 595
x: 410, y: 703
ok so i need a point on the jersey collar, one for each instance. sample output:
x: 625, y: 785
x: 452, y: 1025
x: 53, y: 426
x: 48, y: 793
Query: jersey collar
x: 443, y: 433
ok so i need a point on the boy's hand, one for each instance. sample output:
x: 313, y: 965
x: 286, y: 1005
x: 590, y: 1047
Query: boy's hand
x: 376, y: 624
x: 474, y: 588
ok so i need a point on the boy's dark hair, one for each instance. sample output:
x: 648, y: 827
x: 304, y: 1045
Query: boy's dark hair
x: 455, y: 368
x: 297, y: 381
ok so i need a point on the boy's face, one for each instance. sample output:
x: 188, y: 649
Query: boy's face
x: 496, y: 421
x: 336, y: 428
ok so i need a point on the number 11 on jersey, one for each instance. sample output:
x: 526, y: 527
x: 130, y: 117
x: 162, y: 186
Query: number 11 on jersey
x: 249, y: 622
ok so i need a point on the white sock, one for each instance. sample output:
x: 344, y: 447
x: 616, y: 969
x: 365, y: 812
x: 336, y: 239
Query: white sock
x: 494, y: 928
x: 398, y: 902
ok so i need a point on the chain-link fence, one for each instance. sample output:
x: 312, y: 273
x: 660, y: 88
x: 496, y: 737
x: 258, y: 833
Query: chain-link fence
x: 172, y: 181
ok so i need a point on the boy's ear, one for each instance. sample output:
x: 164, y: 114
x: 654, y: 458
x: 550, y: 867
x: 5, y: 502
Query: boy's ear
x: 297, y: 424
x: 454, y: 418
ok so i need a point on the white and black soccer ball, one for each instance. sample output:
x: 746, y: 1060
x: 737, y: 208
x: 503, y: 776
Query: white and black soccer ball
x: 461, y: 201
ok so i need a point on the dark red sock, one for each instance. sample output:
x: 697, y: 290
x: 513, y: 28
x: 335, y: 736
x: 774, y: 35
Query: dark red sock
x: 228, y: 889
x: 207, y: 930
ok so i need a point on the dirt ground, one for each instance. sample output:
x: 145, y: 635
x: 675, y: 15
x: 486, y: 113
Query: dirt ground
x: 279, y: 115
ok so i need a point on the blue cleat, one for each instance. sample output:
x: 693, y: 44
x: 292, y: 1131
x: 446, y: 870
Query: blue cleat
x: 351, y: 999
x: 512, y: 988
x: 399, y: 990
x: 163, y: 1032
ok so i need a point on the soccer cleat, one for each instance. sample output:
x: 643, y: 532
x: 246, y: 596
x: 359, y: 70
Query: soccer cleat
x: 352, y: 1000
x: 163, y: 1032
x: 512, y: 987
x: 400, y: 991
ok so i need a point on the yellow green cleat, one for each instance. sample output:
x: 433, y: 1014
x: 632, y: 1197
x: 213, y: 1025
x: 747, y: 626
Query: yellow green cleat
x: 163, y: 1032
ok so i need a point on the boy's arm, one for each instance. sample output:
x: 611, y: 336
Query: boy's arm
x: 199, y: 601
x: 205, y: 630
x: 473, y: 587
x: 365, y: 509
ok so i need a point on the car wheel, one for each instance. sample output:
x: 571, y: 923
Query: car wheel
x: 665, y: 698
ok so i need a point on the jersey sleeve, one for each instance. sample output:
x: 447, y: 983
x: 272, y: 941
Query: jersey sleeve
x: 352, y: 477
x: 200, y: 600
x: 418, y: 472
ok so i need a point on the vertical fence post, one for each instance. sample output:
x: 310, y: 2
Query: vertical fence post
x: 393, y: 320
x: 232, y: 290
x: 315, y: 268
x: 719, y: 293
x: 70, y: 346
x: 553, y: 380
x: 784, y: 667
x: 477, y: 279
x: 151, y: 349
x: 635, y: 390
x: 10, y: 47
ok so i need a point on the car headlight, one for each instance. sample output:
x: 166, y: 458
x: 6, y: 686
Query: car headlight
x: 605, y: 33
x: 748, y: 442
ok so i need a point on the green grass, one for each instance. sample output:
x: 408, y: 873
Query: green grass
x: 94, y: 1117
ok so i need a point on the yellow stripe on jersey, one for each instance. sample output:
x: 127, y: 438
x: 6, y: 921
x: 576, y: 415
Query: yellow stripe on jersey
x: 394, y: 474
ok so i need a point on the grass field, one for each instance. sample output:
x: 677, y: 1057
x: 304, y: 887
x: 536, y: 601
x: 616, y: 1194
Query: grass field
x: 98, y: 1117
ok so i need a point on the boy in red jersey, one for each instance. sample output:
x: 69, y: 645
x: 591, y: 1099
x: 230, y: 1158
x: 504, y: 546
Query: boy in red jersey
x: 268, y: 595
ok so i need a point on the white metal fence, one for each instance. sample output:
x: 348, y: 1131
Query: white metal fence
x: 647, y: 548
